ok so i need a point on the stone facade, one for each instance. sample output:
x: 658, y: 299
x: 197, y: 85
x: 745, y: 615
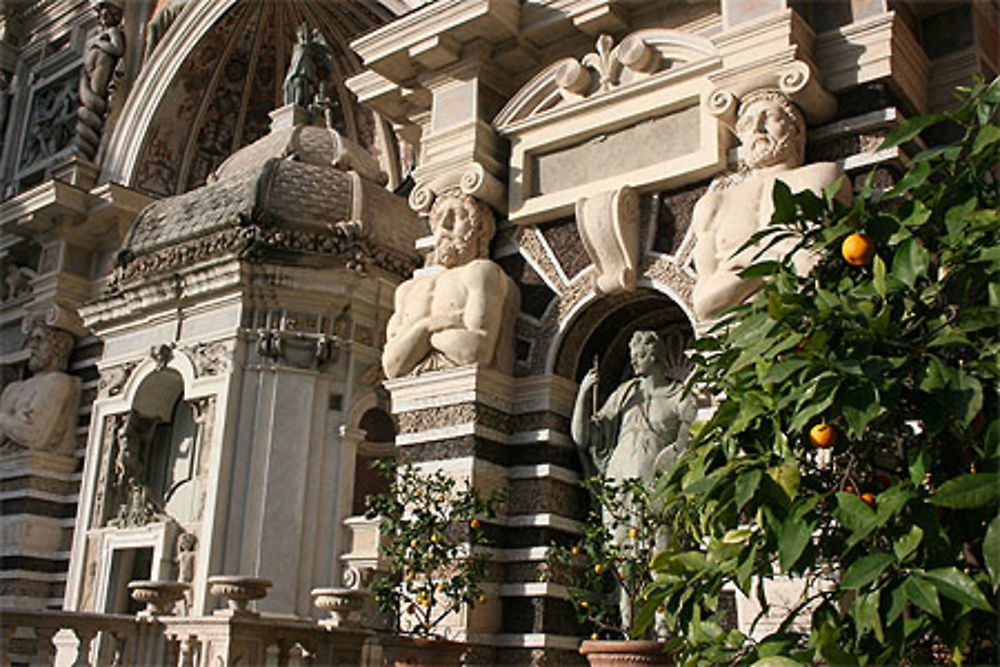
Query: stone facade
x: 228, y: 273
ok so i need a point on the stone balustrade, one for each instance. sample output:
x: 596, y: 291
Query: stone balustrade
x: 26, y: 636
x: 185, y: 641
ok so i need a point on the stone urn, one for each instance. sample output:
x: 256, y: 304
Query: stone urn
x: 238, y: 591
x: 610, y: 653
x: 158, y: 596
x: 343, y: 604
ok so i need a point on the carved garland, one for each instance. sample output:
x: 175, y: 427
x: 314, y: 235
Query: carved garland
x: 359, y: 252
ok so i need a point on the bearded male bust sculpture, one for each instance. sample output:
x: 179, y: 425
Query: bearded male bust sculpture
x: 772, y: 134
x: 459, y: 311
x: 39, y: 413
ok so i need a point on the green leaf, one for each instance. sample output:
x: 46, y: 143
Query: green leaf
x: 746, y: 486
x: 781, y: 370
x: 911, y: 179
x: 792, y: 540
x: 923, y: 594
x: 968, y: 491
x: 910, y: 262
x: 760, y: 269
x: 954, y: 584
x: 909, y: 129
x: 866, y: 614
x: 991, y: 550
x: 866, y: 570
x: 987, y: 136
x: 860, y: 406
x: 920, y: 215
x: 854, y: 515
x: 878, y: 276
x: 778, y: 660
x: 784, y: 203
x: 787, y: 476
x: 908, y: 543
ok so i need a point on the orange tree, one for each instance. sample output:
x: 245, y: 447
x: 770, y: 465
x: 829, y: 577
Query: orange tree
x: 893, y: 522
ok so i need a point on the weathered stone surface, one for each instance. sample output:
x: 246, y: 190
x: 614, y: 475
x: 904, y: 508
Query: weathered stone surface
x: 647, y: 143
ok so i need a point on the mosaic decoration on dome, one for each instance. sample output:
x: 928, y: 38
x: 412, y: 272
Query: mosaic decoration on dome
x: 222, y: 95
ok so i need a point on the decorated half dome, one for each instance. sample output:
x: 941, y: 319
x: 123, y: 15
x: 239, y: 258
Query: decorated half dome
x: 302, y: 194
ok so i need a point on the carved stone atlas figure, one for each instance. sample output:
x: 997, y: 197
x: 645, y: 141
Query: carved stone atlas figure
x: 772, y: 133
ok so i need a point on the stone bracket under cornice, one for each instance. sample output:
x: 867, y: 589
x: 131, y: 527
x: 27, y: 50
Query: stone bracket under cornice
x: 91, y: 216
x: 433, y: 35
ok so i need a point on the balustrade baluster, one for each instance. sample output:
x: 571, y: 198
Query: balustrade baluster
x: 284, y: 647
x: 120, y: 639
x: 85, y: 637
x: 307, y: 652
x: 188, y: 651
x: 44, y: 650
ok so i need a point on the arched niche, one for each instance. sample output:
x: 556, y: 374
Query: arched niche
x: 158, y: 446
x: 207, y: 89
x: 378, y: 445
x: 602, y: 330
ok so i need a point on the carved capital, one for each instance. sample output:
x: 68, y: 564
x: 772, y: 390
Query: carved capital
x: 474, y: 180
x: 795, y: 79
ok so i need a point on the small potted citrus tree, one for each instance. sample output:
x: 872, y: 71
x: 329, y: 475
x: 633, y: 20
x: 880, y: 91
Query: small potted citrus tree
x: 607, y: 572
x: 431, y: 526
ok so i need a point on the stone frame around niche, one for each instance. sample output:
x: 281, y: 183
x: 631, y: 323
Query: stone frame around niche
x: 159, y: 536
x: 545, y: 118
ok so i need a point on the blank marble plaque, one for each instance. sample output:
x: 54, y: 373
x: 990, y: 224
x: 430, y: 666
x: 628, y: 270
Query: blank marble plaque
x: 644, y: 144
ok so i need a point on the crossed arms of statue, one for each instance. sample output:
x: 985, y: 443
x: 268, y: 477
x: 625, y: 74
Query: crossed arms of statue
x: 466, y: 333
x: 35, y: 413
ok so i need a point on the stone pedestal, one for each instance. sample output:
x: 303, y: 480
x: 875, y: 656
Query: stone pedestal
x: 38, y: 497
x: 501, y: 432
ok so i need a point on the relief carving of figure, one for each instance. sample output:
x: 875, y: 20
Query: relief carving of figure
x: 97, y: 78
x: 642, y: 428
x: 311, y: 64
x: 459, y: 311
x: 772, y: 133
x: 132, y: 435
x: 39, y: 413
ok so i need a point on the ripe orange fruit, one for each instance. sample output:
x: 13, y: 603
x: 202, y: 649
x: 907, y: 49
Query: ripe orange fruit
x: 822, y: 436
x: 868, y: 499
x: 575, y: 551
x: 474, y: 524
x: 849, y: 489
x: 633, y: 532
x: 858, y: 249
x: 594, y: 636
x: 598, y: 568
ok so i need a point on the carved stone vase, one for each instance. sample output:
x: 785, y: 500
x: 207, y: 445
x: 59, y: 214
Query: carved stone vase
x: 158, y: 596
x: 400, y: 651
x: 611, y: 653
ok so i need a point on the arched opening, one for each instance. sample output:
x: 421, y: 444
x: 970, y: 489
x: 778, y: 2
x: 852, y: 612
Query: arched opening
x: 156, y: 454
x: 208, y: 88
x: 378, y: 445
x: 601, y: 332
